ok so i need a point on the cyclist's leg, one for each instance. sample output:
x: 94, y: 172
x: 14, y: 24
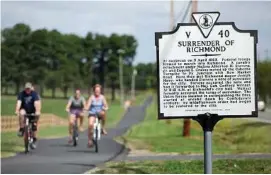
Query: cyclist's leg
x: 35, y: 130
x: 91, y: 121
x: 35, y: 127
x: 72, y: 118
x: 103, y: 118
x: 81, y: 119
x: 21, y: 122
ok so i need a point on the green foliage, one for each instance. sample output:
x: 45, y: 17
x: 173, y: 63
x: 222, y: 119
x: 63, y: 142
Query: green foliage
x: 55, y: 60
x: 264, y: 79
x: 229, y: 136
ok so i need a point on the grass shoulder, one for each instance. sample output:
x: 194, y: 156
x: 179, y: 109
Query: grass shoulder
x: 229, y: 136
x: 228, y: 166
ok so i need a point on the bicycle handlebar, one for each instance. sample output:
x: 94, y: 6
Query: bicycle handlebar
x: 103, y: 109
x: 31, y: 115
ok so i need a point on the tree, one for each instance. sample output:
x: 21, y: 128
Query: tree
x: 54, y: 60
x: 15, y: 42
x: 86, y: 64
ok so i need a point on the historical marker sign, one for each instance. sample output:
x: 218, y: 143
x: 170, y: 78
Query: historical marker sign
x: 206, y: 67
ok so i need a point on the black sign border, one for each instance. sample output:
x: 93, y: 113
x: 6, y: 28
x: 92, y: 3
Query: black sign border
x: 253, y: 33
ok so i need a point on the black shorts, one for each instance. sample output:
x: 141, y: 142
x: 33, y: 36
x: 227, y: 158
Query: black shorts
x: 32, y: 118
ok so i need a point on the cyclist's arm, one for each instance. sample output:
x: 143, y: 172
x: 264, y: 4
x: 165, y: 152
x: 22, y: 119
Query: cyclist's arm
x: 105, y: 104
x: 18, y: 106
x: 84, y: 102
x: 37, y: 103
x: 88, y: 103
x: 18, y: 103
x: 69, y: 104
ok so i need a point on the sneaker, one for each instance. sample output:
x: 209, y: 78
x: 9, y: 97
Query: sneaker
x: 70, y: 139
x: 20, y: 133
x: 104, y: 132
x: 33, y: 145
x: 90, y: 143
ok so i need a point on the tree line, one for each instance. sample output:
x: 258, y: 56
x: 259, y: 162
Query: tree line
x: 264, y: 80
x: 55, y: 60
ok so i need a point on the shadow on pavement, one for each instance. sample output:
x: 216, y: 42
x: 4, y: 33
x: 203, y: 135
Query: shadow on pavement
x: 80, y: 164
x: 82, y: 151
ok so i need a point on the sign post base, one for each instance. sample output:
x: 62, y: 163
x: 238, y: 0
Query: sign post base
x: 207, y: 122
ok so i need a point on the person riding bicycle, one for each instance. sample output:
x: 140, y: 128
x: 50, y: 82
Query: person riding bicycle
x: 96, y: 106
x: 28, y: 102
x: 75, y: 108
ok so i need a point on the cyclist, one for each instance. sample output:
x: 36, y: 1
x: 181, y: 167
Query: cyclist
x: 28, y: 102
x: 75, y: 108
x: 96, y: 105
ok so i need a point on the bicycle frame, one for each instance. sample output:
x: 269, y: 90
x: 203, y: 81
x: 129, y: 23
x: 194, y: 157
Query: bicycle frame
x: 97, y: 128
x: 96, y: 133
x: 28, y: 133
x: 75, y: 132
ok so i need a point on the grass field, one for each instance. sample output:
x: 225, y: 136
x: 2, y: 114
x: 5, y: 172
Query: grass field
x: 59, y: 93
x: 248, y: 166
x: 54, y: 106
x: 229, y: 136
x: 10, y: 143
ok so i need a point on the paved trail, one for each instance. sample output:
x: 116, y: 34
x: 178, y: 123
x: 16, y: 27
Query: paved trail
x: 264, y: 116
x: 54, y: 156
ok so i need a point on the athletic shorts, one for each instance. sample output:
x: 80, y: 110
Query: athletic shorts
x: 31, y: 118
x: 94, y: 113
x: 76, y: 112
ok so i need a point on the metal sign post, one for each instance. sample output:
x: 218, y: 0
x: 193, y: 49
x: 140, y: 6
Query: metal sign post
x: 207, y: 72
x: 207, y: 122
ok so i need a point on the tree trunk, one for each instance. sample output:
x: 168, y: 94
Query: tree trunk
x: 89, y: 90
x: 65, y: 91
x: 101, y: 70
x: 41, y: 90
x: 54, y: 92
x: 17, y: 90
x: 6, y: 90
x: 186, y: 127
x: 113, y: 88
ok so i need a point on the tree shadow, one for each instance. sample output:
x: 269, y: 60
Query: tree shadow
x: 242, y: 127
x: 81, y: 164
x: 81, y: 151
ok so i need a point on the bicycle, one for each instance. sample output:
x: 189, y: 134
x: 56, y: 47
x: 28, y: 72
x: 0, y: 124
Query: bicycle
x: 97, y: 131
x: 28, y: 131
x: 75, y: 133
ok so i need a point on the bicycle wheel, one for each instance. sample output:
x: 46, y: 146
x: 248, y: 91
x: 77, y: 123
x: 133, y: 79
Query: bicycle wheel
x: 95, y: 140
x: 26, y: 139
x: 75, y: 134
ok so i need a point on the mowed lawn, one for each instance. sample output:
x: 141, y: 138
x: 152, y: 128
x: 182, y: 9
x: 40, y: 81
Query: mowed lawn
x: 57, y: 107
x: 10, y: 143
x: 53, y: 106
x: 243, y: 166
x: 229, y: 136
